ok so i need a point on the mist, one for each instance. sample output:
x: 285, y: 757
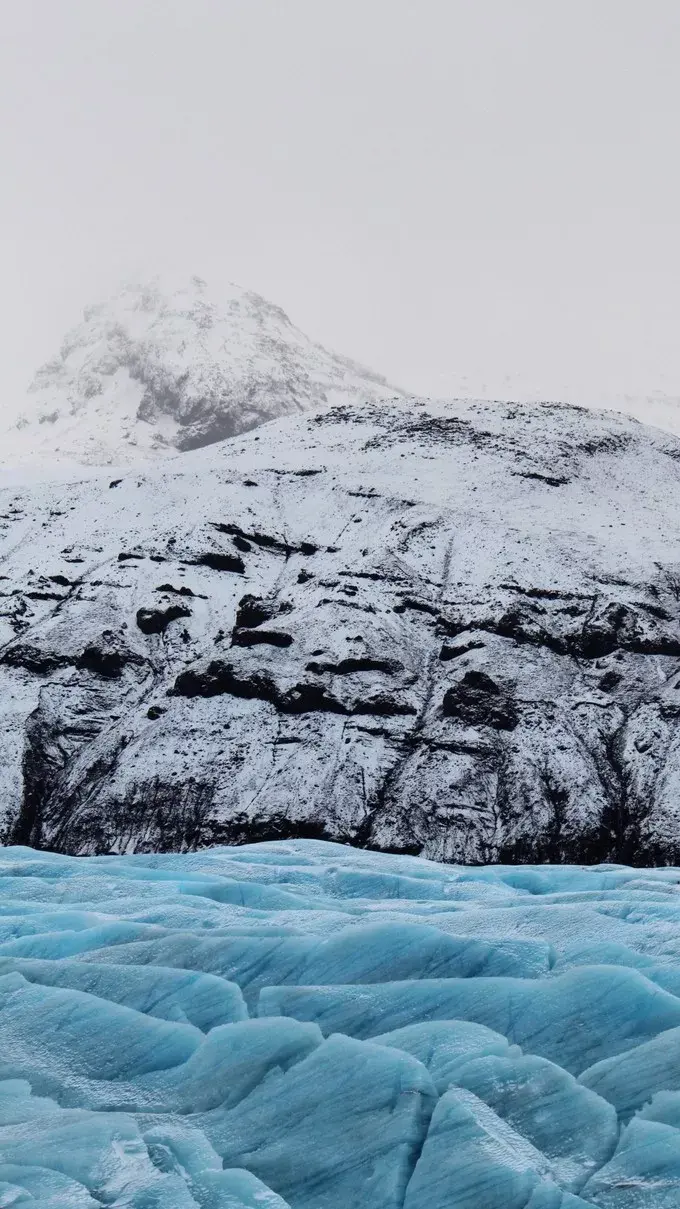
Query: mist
x: 473, y: 198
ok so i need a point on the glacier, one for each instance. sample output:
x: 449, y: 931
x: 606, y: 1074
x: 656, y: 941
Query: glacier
x: 303, y: 1024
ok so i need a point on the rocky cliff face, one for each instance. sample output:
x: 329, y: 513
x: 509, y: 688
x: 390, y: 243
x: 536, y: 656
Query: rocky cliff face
x: 444, y: 629
x: 158, y: 369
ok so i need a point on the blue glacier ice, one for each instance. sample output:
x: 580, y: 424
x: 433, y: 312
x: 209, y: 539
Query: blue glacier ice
x: 298, y: 1025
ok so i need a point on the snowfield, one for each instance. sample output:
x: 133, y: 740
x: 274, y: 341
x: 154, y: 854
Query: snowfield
x: 437, y: 628
x: 305, y: 1025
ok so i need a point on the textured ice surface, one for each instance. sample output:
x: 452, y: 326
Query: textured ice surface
x: 305, y: 1025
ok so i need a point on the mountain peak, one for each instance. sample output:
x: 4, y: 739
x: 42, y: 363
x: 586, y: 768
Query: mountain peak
x: 164, y: 366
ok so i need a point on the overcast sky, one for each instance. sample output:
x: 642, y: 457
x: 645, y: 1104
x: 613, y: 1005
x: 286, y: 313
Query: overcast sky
x: 460, y: 193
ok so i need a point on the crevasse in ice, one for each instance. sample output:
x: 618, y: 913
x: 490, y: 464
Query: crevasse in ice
x: 305, y: 1025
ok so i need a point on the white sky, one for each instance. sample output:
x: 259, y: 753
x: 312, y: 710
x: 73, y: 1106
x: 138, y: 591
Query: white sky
x: 461, y: 193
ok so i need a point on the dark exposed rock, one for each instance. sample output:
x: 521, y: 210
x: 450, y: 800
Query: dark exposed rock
x: 106, y: 659
x: 607, y: 630
x: 478, y: 701
x: 375, y: 576
x: 449, y: 430
x: 183, y: 591
x: 308, y: 698
x: 220, y: 677
x: 654, y: 609
x: 382, y: 705
x: 346, y: 667
x: 42, y: 765
x: 612, y: 442
x: 156, y: 621
x: 345, y: 604
x: 542, y: 593
x: 33, y: 659
x: 253, y: 611
x: 550, y: 479
x: 610, y: 680
x: 616, y: 626
x: 266, y: 542
x: 218, y: 561
x: 419, y: 606
x: 261, y: 638
x: 449, y: 651
x: 522, y: 626
x: 105, y: 663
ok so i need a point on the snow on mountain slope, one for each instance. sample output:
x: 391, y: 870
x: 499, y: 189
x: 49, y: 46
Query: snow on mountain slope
x: 657, y: 404
x: 438, y: 628
x: 159, y: 369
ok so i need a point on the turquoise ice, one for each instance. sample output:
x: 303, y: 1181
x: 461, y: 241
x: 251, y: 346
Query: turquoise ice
x: 299, y: 1025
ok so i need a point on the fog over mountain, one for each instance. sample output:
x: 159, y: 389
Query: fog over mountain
x: 162, y: 367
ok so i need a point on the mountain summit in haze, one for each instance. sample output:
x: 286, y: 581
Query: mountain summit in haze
x: 158, y: 369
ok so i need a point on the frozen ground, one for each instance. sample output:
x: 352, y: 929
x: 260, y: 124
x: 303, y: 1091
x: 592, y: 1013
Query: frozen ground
x: 306, y: 1025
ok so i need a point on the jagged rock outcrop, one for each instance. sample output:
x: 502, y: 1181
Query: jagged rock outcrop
x: 437, y: 628
x: 165, y: 366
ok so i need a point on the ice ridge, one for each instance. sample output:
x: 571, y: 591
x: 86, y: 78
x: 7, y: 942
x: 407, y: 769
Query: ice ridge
x: 299, y: 1024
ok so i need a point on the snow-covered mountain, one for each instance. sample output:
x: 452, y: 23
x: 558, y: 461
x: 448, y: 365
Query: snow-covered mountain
x: 650, y: 401
x: 158, y: 369
x: 439, y: 628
